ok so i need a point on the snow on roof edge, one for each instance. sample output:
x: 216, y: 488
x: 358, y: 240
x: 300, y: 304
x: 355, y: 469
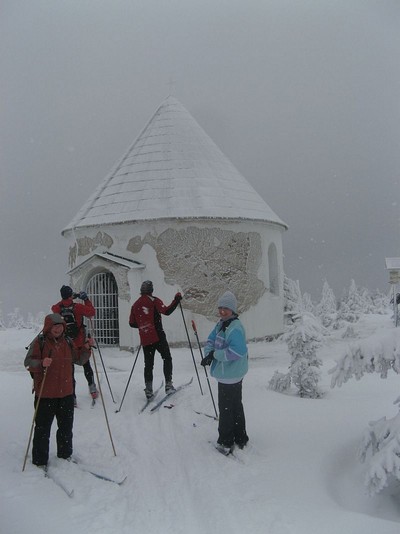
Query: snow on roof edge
x: 202, y: 218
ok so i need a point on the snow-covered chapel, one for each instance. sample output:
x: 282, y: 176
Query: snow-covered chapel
x: 175, y: 210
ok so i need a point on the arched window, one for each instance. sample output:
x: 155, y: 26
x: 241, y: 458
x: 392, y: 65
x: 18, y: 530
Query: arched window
x: 273, y: 269
x: 103, y: 292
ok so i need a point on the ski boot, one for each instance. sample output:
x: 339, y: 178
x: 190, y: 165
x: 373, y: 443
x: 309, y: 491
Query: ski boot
x: 93, y: 391
x: 148, y: 390
x: 169, y: 387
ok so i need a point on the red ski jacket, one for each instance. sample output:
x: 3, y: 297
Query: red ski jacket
x: 146, y: 315
x: 59, y: 380
x: 80, y: 311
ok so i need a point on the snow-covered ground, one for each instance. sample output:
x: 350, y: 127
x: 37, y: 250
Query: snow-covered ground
x: 299, y: 475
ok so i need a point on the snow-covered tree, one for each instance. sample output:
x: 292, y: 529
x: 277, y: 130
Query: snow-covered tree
x: 357, y: 301
x: 380, y: 302
x: 308, y: 304
x: 16, y: 320
x: 303, y: 339
x: 381, y: 443
x: 292, y: 298
x: 351, y: 305
x: 327, y: 307
x: 375, y: 355
x: 2, y: 323
x: 380, y: 449
x: 280, y: 382
x: 35, y: 322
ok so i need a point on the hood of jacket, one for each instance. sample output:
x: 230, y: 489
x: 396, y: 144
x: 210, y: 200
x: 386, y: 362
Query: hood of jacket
x: 50, y: 320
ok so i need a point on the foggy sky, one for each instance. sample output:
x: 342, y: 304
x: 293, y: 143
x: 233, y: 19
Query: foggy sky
x: 302, y: 96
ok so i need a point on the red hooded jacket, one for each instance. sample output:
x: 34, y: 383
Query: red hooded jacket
x: 58, y: 381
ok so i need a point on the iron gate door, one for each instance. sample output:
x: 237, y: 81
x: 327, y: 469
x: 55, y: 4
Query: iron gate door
x: 103, y: 292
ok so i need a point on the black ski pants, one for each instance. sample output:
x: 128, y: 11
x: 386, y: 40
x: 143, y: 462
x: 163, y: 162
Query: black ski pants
x: 88, y: 372
x: 149, y: 351
x: 232, y: 423
x: 63, y: 410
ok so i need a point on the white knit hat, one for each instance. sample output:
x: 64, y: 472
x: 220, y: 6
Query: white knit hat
x: 228, y: 300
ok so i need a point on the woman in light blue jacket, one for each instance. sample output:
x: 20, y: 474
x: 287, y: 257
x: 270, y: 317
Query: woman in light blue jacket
x: 226, y: 352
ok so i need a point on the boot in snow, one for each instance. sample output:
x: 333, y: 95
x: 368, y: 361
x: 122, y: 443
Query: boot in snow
x: 148, y: 390
x: 93, y: 391
x: 169, y: 387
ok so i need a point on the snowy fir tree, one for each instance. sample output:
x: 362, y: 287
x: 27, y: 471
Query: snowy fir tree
x: 327, y: 308
x: 380, y: 447
x: 35, y: 322
x: 380, y: 302
x: 303, y: 339
x: 357, y: 301
x: 16, y: 320
x: 308, y: 304
x: 351, y: 305
x: 379, y: 356
x: 292, y: 298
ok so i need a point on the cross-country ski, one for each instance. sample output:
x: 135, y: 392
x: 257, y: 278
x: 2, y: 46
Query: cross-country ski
x: 168, y: 395
x: 99, y: 472
x: 56, y: 477
x: 151, y: 399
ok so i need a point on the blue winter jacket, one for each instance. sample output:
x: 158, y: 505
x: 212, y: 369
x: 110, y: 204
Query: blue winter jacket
x: 230, y: 350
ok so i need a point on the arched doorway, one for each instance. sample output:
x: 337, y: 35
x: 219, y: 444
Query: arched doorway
x: 102, y: 290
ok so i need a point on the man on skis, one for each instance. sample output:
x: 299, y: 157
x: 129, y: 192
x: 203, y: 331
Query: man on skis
x: 146, y: 316
x: 66, y: 307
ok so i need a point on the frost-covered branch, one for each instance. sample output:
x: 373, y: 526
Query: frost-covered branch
x: 376, y: 355
x: 381, y: 444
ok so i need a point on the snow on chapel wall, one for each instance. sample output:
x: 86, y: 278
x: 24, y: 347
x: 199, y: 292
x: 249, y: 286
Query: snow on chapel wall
x: 202, y: 260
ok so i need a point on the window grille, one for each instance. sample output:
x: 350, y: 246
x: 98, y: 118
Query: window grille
x: 103, y: 292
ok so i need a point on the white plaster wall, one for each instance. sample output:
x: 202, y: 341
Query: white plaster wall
x: 263, y: 319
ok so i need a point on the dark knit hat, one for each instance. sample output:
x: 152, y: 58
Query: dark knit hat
x: 228, y: 300
x: 66, y: 292
x: 146, y: 288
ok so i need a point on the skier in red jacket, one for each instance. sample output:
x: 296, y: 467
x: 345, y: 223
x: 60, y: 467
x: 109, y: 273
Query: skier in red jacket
x: 50, y: 360
x: 76, y: 330
x: 146, y: 316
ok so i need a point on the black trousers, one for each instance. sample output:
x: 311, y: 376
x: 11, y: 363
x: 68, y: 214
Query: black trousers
x: 232, y: 423
x: 63, y: 410
x: 149, y: 351
x: 88, y: 372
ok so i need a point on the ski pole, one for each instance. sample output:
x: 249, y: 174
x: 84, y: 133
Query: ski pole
x: 102, y: 401
x: 35, y: 413
x: 129, y: 379
x: 191, y: 349
x: 101, y: 359
x: 205, y: 370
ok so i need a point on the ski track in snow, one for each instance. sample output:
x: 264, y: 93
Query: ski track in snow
x: 298, y: 475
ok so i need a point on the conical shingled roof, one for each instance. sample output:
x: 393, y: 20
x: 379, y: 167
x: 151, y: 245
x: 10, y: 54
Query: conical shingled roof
x: 173, y: 170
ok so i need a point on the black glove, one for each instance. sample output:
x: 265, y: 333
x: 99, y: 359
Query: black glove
x: 207, y: 360
x: 178, y: 297
x: 82, y: 295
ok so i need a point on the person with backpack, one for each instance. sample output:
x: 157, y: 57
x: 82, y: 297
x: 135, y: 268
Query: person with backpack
x: 73, y: 314
x: 50, y: 360
x: 146, y: 316
x: 226, y: 352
